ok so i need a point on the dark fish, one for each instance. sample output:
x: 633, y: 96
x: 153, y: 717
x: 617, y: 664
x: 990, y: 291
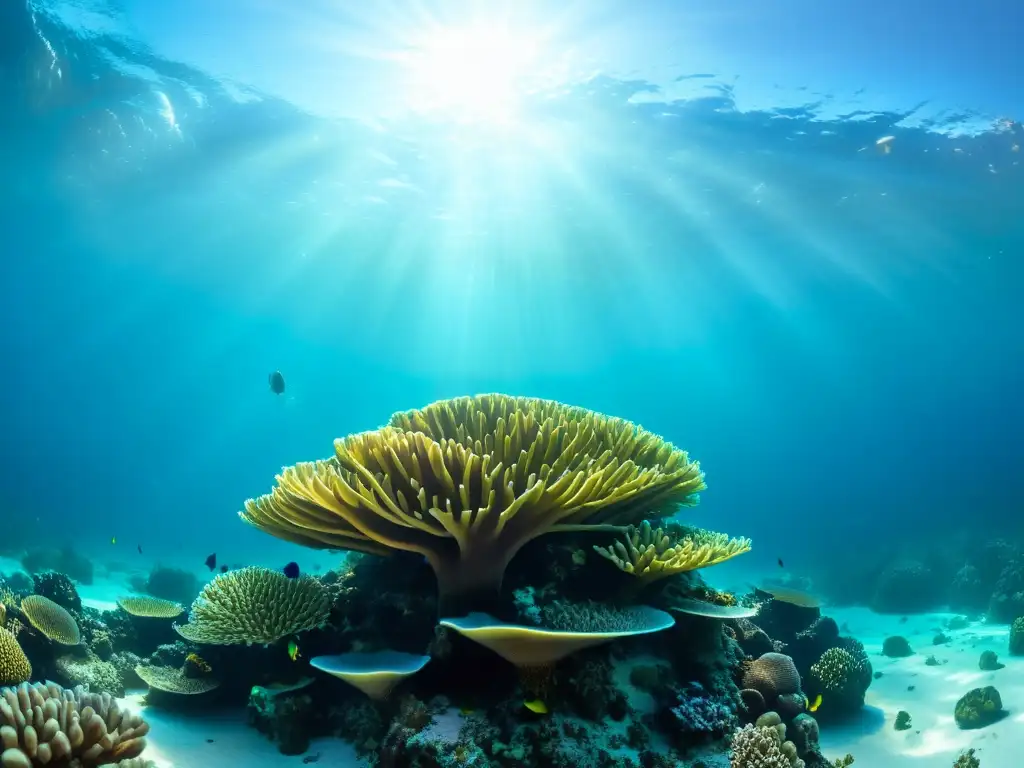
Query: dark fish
x: 781, y: 564
x: 223, y: 569
x: 317, y: 566
x: 211, y: 561
x: 140, y: 548
x: 310, y: 758
x: 291, y: 570
x: 277, y: 383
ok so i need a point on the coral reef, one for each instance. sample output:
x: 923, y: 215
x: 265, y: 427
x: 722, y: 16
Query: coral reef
x: 255, y: 605
x: 989, y: 661
x: 57, y: 587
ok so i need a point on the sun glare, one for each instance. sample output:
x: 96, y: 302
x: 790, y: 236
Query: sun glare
x: 478, y: 73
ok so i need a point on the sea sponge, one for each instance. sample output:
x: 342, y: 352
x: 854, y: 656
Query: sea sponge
x: 467, y: 482
x: 148, y: 607
x: 49, y: 725
x: 51, y: 619
x: 773, y: 675
x: 14, y: 664
x: 255, y: 605
x: 652, y: 554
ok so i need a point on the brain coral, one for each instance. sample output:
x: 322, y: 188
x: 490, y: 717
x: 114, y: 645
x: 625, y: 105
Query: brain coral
x: 467, y: 482
x: 49, y: 725
x: 773, y: 675
x: 255, y: 605
x: 51, y: 619
x: 14, y: 664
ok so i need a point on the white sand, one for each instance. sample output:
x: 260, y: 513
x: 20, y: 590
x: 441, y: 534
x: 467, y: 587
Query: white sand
x: 933, y: 739
x: 222, y: 738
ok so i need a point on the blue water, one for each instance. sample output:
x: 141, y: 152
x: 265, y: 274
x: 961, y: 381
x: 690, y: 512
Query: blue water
x: 688, y: 222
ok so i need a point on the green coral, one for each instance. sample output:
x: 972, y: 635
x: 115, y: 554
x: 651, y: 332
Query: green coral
x: 978, y: 707
x: 255, y: 605
x: 967, y: 760
x: 1017, y: 637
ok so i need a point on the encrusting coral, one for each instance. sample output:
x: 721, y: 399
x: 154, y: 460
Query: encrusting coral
x: 467, y: 482
x: 255, y: 605
x: 652, y: 554
x: 14, y: 664
x: 51, y: 619
x: 49, y: 725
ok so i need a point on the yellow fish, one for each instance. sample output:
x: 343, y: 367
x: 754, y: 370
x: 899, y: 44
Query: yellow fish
x: 293, y: 650
x: 113, y: 539
x: 537, y: 706
x: 812, y: 706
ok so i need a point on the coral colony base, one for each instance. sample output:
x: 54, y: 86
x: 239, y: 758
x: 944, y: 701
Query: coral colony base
x: 567, y: 624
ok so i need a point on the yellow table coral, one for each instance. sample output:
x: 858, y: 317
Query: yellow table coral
x: 467, y: 482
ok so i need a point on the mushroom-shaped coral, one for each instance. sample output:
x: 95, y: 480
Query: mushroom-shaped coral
x: 49, y: 725
x: 692, y: 607
x: 14, y: 664
x: 467, y: 482
x: 255, y: 605
x: 144, y: 606
x: 652, y: 554
x: 175, y: 680
x: 374, y: 673
x: 52, y: 620
x: 526, y: 646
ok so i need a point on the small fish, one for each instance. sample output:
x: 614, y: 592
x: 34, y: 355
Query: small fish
x: 781, y: 564
x: 209, y: 741
x: 536, y: 706
x: 277, y: 383
x: 113, y: 539
x: 139, y: 547
x: 291, y: 570
x: 223, y: 569
x: 813, y: 706
x: 466, y: 710
x: 311, y: 758
x: 211, y: 561
x: 317, y: 566
x: 293, y: 650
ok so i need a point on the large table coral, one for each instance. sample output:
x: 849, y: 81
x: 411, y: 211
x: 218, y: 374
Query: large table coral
x: 467, y: 482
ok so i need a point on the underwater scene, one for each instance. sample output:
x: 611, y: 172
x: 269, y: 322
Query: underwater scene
x: 439, y: 383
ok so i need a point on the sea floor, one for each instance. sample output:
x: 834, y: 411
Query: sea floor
x: 928, y: 693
